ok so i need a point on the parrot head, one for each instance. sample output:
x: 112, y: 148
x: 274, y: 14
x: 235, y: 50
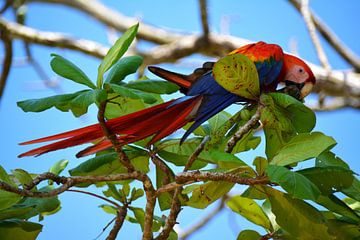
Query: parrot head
x: 296, y: 73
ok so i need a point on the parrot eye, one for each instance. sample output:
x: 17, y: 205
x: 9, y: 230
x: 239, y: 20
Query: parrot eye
x: 301, y: 70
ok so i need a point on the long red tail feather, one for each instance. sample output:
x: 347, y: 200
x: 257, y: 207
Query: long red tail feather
x: 158, y: 120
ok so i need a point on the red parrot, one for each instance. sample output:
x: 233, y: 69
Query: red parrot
x: 204, y: 97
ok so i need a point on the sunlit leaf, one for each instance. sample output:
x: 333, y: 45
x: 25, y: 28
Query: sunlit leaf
x: 69, y: 70
x: 125, y: 66
x: 59, y: 166
x: 205, y: 194
x: 250, y: 210
x: 133, y: 93
x: 116, y: 52
x: 237, y: 74
x: 303, y: 147
x: 77, y: 102
x: 294, y: 183
x: 153, y: 86
x: 248, y: 235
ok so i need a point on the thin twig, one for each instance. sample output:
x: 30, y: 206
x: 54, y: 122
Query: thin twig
x: 196, y: 153
x: 331, y: 38
x: 204, y: 19
x: 305, y: 11
x: 120, y: 217
x: 95, y: 195
x: 243, y: 130
x: 7, y: 61
x: 184, y: 235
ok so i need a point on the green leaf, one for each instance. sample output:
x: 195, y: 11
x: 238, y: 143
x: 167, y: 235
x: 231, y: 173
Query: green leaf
x: 113, y: 192
x: 334, y: 204
x: 297, y: 217
x: 77, y: 102
x: 164, y: 198
x: 59, y: 166
x: 302, y: 147
x: 16, y: 211
x: 110, y: 209
x: 205, y: 194
x: 237, y: 74
x: 41, y: 206
x: 125, y: 66
x: 121, y: 106
x: 294, y: 183
x: 301, y: 117
x: 172, y: 151
x: 353, y: 191
x: 248, y: 235
x: 23, y: 176
x: 326, y: 159
x: 133, y: 93
x: 116, y: 52
x: 283, y: 117
x: 254, y: 192
x: 153, y: 86
x: 19, y: 230
x: 250, y: 210
x: 261, y: 164
x: 329, y: 179
x: 343, y: 230
x: 109, y: 163
x: 7, y: 199
x: 140, y: 218
x: 68, y: 70
x: 136, y: 193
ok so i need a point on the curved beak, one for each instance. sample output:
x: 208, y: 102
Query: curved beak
x: 306, y: 89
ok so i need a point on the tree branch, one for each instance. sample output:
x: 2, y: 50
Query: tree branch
x: 119, y: 220
x: 305, y: 11
x: 52, y: 39
x: 204, y: 19
x: 67, y: 182
x: 123, y: 158
x: 243, y: 130
x: 116, y: 20
x: 198, y: 176
x: 331, y: 38
x: 7, y: 61
x: 184, y: 235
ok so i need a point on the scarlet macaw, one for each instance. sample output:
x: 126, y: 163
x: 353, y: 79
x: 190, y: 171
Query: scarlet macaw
x: 204, y: 98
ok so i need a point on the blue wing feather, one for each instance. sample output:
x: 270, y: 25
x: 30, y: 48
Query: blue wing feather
x: 216, y: 98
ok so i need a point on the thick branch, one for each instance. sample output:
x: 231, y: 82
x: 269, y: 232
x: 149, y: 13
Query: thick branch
x: 67, y: 182
x: 116, y: 20
x: 52, y: 39
x: 217, y: 176
x: 119, y: 220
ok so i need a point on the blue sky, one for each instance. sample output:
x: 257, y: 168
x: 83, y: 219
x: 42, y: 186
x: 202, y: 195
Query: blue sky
x: 271, y: 21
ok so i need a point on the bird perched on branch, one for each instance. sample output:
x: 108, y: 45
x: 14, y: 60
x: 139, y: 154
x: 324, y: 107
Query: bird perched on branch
x: 205, y: 95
